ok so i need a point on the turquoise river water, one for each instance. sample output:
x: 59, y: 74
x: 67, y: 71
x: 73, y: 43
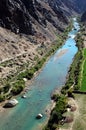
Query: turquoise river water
x: 52, y: 76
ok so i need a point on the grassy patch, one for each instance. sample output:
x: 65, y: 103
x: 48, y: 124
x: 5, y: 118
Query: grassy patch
x: 57, y: 113
x: 79, y: 115
x: 74, y: 77
x: 74, y: 74
x: 80, y: 122
x: 83, y: 80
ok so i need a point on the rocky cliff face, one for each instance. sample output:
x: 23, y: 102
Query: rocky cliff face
x: 83, y: 18
x: 14, y: 16
x: 81, y: 5
x: 26, y: 16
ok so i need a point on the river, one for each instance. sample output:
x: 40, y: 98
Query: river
x: 52, y: 76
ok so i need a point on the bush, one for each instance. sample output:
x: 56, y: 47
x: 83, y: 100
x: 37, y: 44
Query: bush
x: 1, y: 90
x: 74, y: 73
x: 70, y: 94
x: 2, y: 98
x: 18, y: 86
x: 55, y: 97
x: 6, y: 88
x: 56, y: 113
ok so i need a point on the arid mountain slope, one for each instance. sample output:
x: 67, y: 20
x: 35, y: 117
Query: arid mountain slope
x: 25, y: 16
x: 83, y: 18
x: 38, y: 20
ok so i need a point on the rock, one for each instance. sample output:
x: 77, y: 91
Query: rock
x: 73, y: 108
x: 11, y: 103
x: 39, y: 116
x: 24, y: 96
x: 1, y: 68
x: 25, y: 79
x: 68, y: 119
x: 15, y: 16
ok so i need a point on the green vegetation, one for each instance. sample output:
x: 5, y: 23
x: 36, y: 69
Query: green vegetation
x: 73, y: 83
x: 17, y: 87
x: 4, y: 92
x: 17, y: 83
x: 81, y: 83
x: 79, y: 41
x: 6, y: 88
x: 56, y: 113
x: 29, y: 73
x: 68, y: 29
x: 74, y: 74
x: 83, y: 75
x: 2, y: 97
x: 14, y: 83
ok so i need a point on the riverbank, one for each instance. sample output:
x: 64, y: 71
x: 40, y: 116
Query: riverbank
x: 78, y: 116
x: 57, y: 114
x: 80, y: 99
x: 29, y: 82
x: 32, y: 71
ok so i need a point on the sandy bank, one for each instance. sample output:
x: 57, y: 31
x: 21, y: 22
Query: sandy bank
x: 60, y: 53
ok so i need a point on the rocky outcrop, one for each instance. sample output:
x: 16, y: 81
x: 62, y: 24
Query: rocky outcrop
x: 32, y: 16
x: 14, y: 16
x: 23, y: 15
x: 38, y: 18
x: 11, y: 103
x: 80, y: 5
x: 83, y: 18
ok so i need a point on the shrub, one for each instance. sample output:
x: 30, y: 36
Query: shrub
x: 18, y: 86
x: 70, y: 94
x: 56, y: 113
x: 6, y: 88
x: 2, y: 98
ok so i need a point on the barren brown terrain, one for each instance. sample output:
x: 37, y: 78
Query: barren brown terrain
x: 18, y: 51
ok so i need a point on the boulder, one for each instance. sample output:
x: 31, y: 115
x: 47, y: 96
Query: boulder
x: 11, y: 103
x: 24, y: 96
x: 39, y: 116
